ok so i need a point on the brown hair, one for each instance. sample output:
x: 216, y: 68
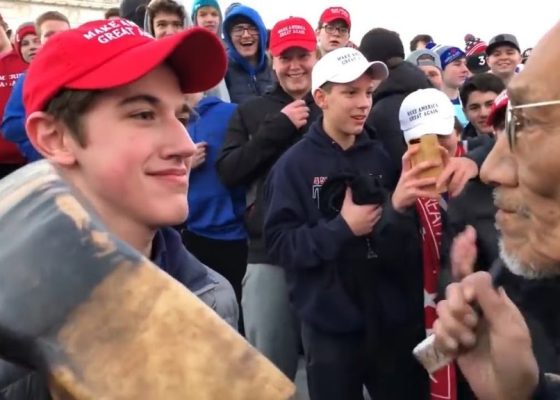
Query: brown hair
x: 49, y: 16
x: 112, y: 12
x: 69, y: 105
x: 166, y: 6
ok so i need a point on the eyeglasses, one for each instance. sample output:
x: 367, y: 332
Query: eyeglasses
x: 331, y: 29
x: 514, y: 125
x: 238, y: 30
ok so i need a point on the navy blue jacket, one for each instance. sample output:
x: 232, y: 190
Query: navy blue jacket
x: 321, y: 255
x: 243, y: 79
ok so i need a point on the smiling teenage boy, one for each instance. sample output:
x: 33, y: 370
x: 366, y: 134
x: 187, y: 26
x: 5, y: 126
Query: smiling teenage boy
x: 83, y: 115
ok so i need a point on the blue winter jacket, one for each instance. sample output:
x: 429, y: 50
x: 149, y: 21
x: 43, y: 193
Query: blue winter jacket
x: 215, y: 211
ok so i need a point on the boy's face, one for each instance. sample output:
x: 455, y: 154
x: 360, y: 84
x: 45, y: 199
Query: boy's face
x: 245, y: 39
x: 449, y: 142
x: 50, y: 27
x: 166, y: 24
x: 136, y: 161
x: 455, y: 73
x: 433, y: 74
x: 29, y: 46
x: 346, y: 106
x: 478, y: 109
x: 504, y: 59
x: 333, y: 35
x: 209, y: 18
x: 293, y: 70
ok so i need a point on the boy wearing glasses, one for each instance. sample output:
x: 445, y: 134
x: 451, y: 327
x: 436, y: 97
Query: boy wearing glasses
x: 249, y: 73
x: 333, y: 30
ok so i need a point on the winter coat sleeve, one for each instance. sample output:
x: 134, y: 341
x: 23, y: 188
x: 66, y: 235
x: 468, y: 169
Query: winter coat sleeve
x: 245, y: 154
x: 13, y: 124
x: 18, y: 383
x: 291, y: 240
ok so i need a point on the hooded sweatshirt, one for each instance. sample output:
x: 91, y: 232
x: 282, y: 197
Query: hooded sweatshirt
x: 215, y: 211
x: 242, y: 78
x: 220, y: 90
x: 27, y: 28
x: 321, y: 256
x: 11, y: 68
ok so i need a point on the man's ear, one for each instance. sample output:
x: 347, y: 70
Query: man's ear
x: 320, y: 97
x: 50, y: 138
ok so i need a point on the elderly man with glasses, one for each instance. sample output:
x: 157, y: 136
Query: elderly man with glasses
x: 493, y: 346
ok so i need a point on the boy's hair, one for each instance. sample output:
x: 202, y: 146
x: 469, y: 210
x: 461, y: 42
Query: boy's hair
x: 481, y: 83
x: 423, y: 37
x: 69, y: 105
x: 49, y: 16
x: 166, y: 6
x: 112, y: 12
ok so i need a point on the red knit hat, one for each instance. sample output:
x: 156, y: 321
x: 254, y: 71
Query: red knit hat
x: 474, y: 45
x: 23, y: 30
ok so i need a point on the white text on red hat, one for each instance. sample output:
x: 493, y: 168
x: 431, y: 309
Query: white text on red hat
x: 113, y: 30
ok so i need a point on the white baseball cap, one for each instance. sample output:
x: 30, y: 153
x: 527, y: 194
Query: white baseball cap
x: 424, y: 112
x: 344, y: 65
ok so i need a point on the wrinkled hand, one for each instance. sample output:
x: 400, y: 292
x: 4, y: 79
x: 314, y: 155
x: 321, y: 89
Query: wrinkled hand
x: 199, y: 156
x: 494, y: 349
x: 411, y: 186
x: 457, y: 172
x: 298, y: 112
x: 360, y: 218
x: 463, y: 254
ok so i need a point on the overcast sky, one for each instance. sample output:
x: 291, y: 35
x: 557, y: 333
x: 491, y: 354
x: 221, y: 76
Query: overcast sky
x: 528, y: 20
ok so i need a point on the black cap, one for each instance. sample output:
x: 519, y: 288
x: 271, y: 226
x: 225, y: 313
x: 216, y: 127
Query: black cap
x: 477, y: 64
x: 503, y: 39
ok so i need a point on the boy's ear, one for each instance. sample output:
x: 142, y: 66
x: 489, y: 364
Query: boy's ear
x: 50, y: 138
x: 320, y: 97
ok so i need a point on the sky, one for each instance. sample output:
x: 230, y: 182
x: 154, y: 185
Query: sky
x: 483, y: 18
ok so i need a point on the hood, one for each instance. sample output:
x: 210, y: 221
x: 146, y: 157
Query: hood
x: 23, y: 30
x: 148, y: 22
x: 207, y: 3
x: 403, y: 79
x: 206, y: 103
x: 252, y: 15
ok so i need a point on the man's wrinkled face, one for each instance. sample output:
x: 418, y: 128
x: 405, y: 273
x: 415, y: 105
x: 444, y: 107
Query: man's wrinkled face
x: 166, y: 24
x: 477, y: 110
x: 528, y: 186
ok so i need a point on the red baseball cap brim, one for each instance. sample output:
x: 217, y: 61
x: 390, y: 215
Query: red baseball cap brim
x: 307, y: 45
x: 499, y: 105
x: 196, y: 55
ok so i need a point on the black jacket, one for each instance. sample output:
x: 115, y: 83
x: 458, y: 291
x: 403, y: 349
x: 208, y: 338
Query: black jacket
x: 17, y: 383
x: 403, y: 79
x: 475, y: 206
x: 258, y: 134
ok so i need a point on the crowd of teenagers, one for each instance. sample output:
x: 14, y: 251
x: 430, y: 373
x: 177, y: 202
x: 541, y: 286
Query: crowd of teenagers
x: 309, y: 224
